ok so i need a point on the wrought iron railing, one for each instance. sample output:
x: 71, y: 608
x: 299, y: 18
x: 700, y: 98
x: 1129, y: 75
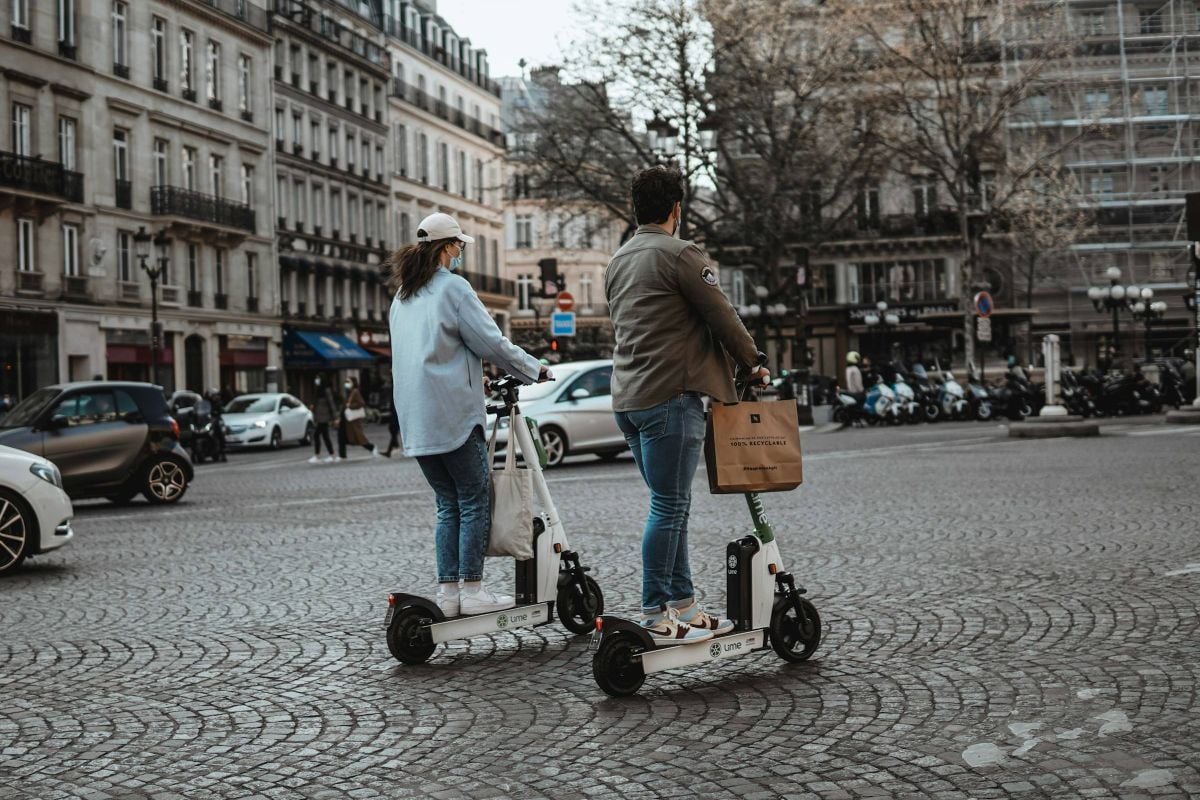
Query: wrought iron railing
x: 203, y: 207
x: 39, y: 175
x: 424, y: 101
x: 491, y: 284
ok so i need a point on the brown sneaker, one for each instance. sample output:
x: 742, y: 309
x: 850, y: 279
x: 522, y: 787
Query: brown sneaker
x: 671, y: 630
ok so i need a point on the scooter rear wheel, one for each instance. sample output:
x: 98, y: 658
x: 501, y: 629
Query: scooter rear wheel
x: 408, y: 638
x: 795, y: 637
x: 614, y: 667
x: 578, y: 614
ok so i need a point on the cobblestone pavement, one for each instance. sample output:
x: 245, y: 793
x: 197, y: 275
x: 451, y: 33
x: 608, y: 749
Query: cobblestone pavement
x: 1002, y: 619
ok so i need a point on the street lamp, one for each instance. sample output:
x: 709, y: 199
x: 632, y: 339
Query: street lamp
x: 1148, y: 312
x: 141, y: 242
x: 882, y: 320
x: 1113, y: 298
x: 663, y: 137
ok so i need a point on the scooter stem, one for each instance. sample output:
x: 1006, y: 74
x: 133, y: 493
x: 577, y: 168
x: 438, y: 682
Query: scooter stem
x: 762, y: 528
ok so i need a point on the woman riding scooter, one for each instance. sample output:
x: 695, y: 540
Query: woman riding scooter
x: 440, y: 332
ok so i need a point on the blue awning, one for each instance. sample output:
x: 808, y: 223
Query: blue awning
x: 323, y: 350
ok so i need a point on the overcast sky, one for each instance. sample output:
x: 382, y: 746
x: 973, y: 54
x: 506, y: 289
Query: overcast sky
x: 513, y: 29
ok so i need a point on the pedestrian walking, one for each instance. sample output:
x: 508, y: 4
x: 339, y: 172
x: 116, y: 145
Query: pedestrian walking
x: 674, y: 328
x: 393, y: 430
x: 440, y: 332
x: 324, y: 410
x: 350, y: 421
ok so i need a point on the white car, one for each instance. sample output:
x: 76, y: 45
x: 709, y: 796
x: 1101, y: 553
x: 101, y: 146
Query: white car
x: 35, y: 512
x: 574, y: 412
x: 267, y: 420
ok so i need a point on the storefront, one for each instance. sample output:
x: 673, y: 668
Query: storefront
x: 28, y: 352
x: 243, y: 363
x: 375, y: 381
x: 129, y: 357
x: 308, y: 353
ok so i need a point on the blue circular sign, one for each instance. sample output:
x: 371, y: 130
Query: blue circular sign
x: 984, y: 304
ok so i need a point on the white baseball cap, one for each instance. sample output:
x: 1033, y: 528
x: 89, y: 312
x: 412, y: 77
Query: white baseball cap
x: 440, y: 226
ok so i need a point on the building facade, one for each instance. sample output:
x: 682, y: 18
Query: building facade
x: 447, y: 147
x: 578, y: 239
x: 129, y: 120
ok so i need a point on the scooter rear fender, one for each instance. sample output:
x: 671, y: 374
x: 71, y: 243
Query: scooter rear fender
x: 400, y: 600
x: 611, y: 624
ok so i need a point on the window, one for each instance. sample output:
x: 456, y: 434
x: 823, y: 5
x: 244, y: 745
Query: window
x: 90, y: 408
x: 444, y: 165
x: 121, y: 154
x: 279, y: 129
x: 120, y: 34
x: 350, y: 149
x: 919, y: 280
x: 281, y: 192
x: 1101, y: 183
x: 585, y: 290
x: 251, y: 275
x: 189, y: 168
x: 482, y: 249
x: 524, y: 232
x: 66, y: 22
x: 25, y: 251
x: 597, y: 383
x: 366, y: 156
x: 219, y: 271
x: 867, y: 206
x: 1096, y: 101
x: 405, y: 230
x: 298, y: 203
x: 423, y: 157
x: 314, y: 131
x: 1158, y: 178
x: 401, y: 149
x: 70, y: 250
x: 193, y: 261
x: 495, y: 257
x: 333, y: 145
x: 297, y: 129
x: 248, y: 184
x: 20, y: 14
x: 245, y: 82
x: 216, y: 171
x: 973, y: 31
x: 1156, y: 100
x: 331, y: 80
x: 924, y: 197
x: 319, y: 206
x: 524, y: 291
x: 335, y: 211
x: 462, y: 174
x: 1091, y: 23
x: 1150, y: 21
x: 66, y: 142
x: 21, y: 135
x: 352, y: 215
x: 124, y: 256
x: 478, y: 181
x: 158, y: 36
x: 187, y: 69
x: 212, y: 80
x: 378, y: 160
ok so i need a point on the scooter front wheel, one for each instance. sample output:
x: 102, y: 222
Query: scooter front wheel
x: 408, y: 637
x: 578, y: 613
x: 614, y: 667
x: 795, y: 636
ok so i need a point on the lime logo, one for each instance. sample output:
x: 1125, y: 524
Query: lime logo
x: 714, y: 650
x: 733, y: 562
x: 502, y: 620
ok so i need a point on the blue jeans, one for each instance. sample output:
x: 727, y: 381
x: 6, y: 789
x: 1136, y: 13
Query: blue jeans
x: 666, y: 441
x: 460, y: 481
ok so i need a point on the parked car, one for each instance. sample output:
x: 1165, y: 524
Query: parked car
x: 574, y: 412
x: 267, y: 420
x: 111, y: 439
x: 35, y: 512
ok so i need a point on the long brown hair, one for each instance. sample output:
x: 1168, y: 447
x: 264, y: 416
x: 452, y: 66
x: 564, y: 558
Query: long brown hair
x: 413, y: 266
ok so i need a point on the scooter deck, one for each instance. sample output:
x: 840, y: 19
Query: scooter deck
x: 718, y: 648
x: 479, y: 624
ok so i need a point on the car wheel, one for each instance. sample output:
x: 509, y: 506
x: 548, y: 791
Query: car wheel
x: 308, y: 434
x: 165, y: 482
x: 17, y: 530
x: 276, y: 438
x: 554, y: 442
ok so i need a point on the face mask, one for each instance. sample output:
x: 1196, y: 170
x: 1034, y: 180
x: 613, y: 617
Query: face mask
x: 456, y: 262
x: 348, y: 386
x: 317, y: 382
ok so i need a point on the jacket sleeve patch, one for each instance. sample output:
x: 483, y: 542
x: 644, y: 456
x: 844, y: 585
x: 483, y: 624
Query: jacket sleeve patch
x: 709, y: 276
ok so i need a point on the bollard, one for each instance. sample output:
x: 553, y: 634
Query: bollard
x: 1052, y: 358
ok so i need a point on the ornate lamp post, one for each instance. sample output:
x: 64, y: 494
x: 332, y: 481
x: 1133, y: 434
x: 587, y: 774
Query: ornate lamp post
x: 142, y: 241
x: 1113, y: 299
x: 882, y: 321
x: 1148, y: 312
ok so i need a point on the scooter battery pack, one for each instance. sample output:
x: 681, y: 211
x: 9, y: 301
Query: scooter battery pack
x: 739, y: 585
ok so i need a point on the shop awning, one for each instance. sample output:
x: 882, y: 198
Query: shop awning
x: 382, y: 352
x: 323, y: 350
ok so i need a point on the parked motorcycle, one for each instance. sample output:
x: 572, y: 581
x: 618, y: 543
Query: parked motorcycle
x: 979, y: 399
x: 847, y: 409
x: 1171, y: 385
x: 1075, y: 396
x: 928, y: 405
x: 905, y: 408
x: 952, y: 399
x: 880, y: 400
x: 1129, y: 393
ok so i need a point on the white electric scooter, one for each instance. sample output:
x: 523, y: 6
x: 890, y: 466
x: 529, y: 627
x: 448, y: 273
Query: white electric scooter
x: 552, y: 580
x: 763, y: 602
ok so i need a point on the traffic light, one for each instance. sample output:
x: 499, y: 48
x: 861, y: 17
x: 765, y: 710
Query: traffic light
x: 552, y: 282
x: 554, y: 345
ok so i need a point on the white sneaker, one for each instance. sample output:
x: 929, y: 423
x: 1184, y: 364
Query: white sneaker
x: 336, y: 459
x: 448, y: 599
x: 671, y: 630
x: 375, y: 452
x: 327, y: 460
x: 314, y: 460
x: 484, y: 601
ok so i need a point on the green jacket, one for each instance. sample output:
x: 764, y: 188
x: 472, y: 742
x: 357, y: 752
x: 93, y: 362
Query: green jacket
x: 675, y: 329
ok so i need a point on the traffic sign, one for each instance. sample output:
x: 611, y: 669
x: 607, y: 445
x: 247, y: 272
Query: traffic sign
x: 984, y: 304
x: 562, y: 323
x: 983, y: 329
x: 566, y: 301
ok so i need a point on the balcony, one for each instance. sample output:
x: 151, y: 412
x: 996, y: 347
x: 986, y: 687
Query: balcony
x: 161, y: 84
x: 40, y: 176
x: 189, y: 95
x: 301, y: 308
x: 491, y: 284
x: 314, y: 87
x: 68, y: 50
x: 30, y: 282
x: 252, y: 305
x: 22, y: 35
x: 221, y: 301
x: 121, y: 70
x: 173, y: 200
x: 129, y: 292
x: 297, y: 149
x: 296, y: 79
x: 124, y: 194
x: 247, y: 115
x: 214, y: 103
x: 278, y: 72
x: 319, y: 313
x: 195, y: 299
x: 169, y: 295
x: 337, y: 312
x: 75, y: 287
x: 242, y: 10
x: 332, y: 96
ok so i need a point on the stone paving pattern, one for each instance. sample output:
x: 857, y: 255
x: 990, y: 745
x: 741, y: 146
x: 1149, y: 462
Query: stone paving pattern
x: 1002, y: 619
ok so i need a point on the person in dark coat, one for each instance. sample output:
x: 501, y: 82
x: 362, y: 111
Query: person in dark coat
x: 393, y: 430
x: 350, y: 431
x: 325, y: 409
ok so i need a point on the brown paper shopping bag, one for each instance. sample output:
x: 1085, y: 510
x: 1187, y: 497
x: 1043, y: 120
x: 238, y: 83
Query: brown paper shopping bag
x: 753, y: 447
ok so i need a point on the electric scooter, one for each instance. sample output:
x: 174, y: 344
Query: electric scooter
x: 552, y: 581
x: 763, y: 602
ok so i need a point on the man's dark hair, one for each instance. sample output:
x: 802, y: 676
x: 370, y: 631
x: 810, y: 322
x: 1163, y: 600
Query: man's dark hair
x: 655, y: 193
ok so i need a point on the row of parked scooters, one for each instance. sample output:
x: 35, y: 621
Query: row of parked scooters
x: 898, y: 396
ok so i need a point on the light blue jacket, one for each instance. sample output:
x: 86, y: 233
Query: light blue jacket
x: 439, y: 337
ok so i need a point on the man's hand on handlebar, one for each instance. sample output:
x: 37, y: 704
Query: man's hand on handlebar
x: 544, y: 374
